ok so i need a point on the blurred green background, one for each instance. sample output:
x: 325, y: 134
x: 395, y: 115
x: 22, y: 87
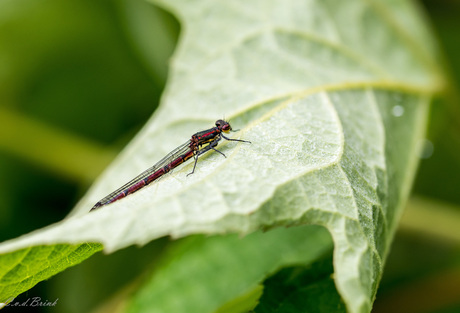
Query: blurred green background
x: 78, y: 79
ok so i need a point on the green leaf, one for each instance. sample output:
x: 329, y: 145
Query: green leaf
x: 334, y: 98
x: 222, y: 273
x: 301, y: 289
x: 244, y: 303
x: 23, y: 269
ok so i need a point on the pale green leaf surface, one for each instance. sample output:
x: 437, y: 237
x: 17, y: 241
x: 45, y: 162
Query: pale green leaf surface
x: 313, y: 85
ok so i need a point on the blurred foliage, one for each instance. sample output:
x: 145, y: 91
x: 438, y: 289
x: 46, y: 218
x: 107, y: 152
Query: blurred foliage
x: 301, y: 287
x: 421, y: 273
x: 61, y: 59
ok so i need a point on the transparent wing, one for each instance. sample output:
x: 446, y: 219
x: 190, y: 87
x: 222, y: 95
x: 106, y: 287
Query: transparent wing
x: 171, y: 156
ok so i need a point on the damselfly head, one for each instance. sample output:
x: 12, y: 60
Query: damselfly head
x: 223, y: 125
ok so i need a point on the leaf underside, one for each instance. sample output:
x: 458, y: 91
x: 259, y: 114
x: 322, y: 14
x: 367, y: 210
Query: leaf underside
x: 333, y: 97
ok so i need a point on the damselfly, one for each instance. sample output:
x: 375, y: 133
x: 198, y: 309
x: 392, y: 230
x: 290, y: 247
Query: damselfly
x: 200, y: 143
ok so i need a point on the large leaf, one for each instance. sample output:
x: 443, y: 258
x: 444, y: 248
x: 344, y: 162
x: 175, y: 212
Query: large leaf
x: 228, y: 270
x: 333, y: 96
